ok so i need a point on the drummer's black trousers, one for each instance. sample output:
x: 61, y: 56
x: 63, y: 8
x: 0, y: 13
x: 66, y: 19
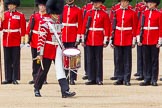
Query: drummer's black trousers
x: 41, y: 76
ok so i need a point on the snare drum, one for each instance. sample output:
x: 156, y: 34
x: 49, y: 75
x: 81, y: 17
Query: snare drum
x: 71, y: 58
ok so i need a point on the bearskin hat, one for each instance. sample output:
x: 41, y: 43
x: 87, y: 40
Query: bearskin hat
x: 98, y: 1
x: 15, y: 2
x: 54, y: 6
x: 37, y: 2
x: 154, y: 1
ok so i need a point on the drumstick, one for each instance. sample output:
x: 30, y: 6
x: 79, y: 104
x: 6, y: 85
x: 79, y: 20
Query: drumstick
x: 40, y: 61
x: 42, y: 64
x: 76, y: 72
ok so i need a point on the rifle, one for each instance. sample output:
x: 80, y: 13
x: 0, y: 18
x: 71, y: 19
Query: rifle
x: 139, y: 13
x: 31, y: 28
x: 87, y: 28
x: 113, y: 27
x: 142, y: 26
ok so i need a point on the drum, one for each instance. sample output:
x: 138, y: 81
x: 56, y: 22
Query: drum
x: 72, y: 58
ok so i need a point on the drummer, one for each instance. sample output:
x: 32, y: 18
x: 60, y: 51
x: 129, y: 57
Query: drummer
x: 46, y: 45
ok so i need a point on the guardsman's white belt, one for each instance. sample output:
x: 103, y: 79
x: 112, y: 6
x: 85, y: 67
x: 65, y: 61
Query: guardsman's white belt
x: 51, y: 43
x: 70, y: 24
x: 96, y: 29
x: 11, y: 30
x: 123, y: 28
x: 150, y: 28
x: 36, y: 32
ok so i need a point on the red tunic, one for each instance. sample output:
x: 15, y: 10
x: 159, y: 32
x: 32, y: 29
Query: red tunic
x: 152, y: 27
x: 72, y: 23
x: 47, y: 43
x: 126, y: 27
x: 14, y: 26
x: 99, y: 28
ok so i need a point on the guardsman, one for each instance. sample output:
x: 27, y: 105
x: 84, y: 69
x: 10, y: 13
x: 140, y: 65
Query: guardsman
x: 46, y: 45
x: 86, y: 8
x: 112, y: 11
x: 96, y: 27
x: 139, y: 8
x: 32, y: 34
x: 14, y: 27
x: 72, y: 23
x: 149, y: 36
x: 123, y: 41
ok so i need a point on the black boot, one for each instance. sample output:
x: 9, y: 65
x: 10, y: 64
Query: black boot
x: 37, y: 93
x: 65, y: 88
x: 68, y: 94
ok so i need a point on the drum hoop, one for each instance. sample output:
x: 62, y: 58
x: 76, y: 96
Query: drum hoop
x: 71, y: 55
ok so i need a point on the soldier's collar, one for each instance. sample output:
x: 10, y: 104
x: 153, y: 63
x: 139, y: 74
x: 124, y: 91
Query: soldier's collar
x: 71, y: 5
x: 152, y: 9
x: 123, y: 7
x: 12, y: 10
x: 96, y: 8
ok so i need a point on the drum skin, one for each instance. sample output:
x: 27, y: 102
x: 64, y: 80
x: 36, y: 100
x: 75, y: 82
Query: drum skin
x: 72, y: 58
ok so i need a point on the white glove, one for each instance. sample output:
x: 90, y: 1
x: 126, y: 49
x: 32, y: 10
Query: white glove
x: 22, y: 45
x: 27, y: 45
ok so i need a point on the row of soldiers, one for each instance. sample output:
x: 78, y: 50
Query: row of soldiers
x: 96, y: 29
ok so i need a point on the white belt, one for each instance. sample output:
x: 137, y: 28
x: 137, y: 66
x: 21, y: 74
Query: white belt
x: 68, y: 24
x: 123, y: 28
x: 36, y: 32
x: 96, y: 29
x: 52, y: 43
x: 150, y: 28
x: 11, y: 30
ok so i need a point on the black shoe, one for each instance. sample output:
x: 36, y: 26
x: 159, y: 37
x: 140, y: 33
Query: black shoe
x: 15, y: 82
x: 139, y: 78
x: 85, y: 77
x: 136, y: 74
x: 45, y: 82
x: 68, y: 94
x: 37, y: 93
x: 118, y: 82
x: 90, y: 83
x: 6, y: 82
x: 154, y: 84
x: 160, y: 79
x: 72, y: 82
x: 113, y: 78
x: 127, y: 83
x: 31, y: 82
x: 100, y: 83
x: 145, y: 84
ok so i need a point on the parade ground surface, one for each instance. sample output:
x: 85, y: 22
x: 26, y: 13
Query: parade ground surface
x: 88, y: 96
